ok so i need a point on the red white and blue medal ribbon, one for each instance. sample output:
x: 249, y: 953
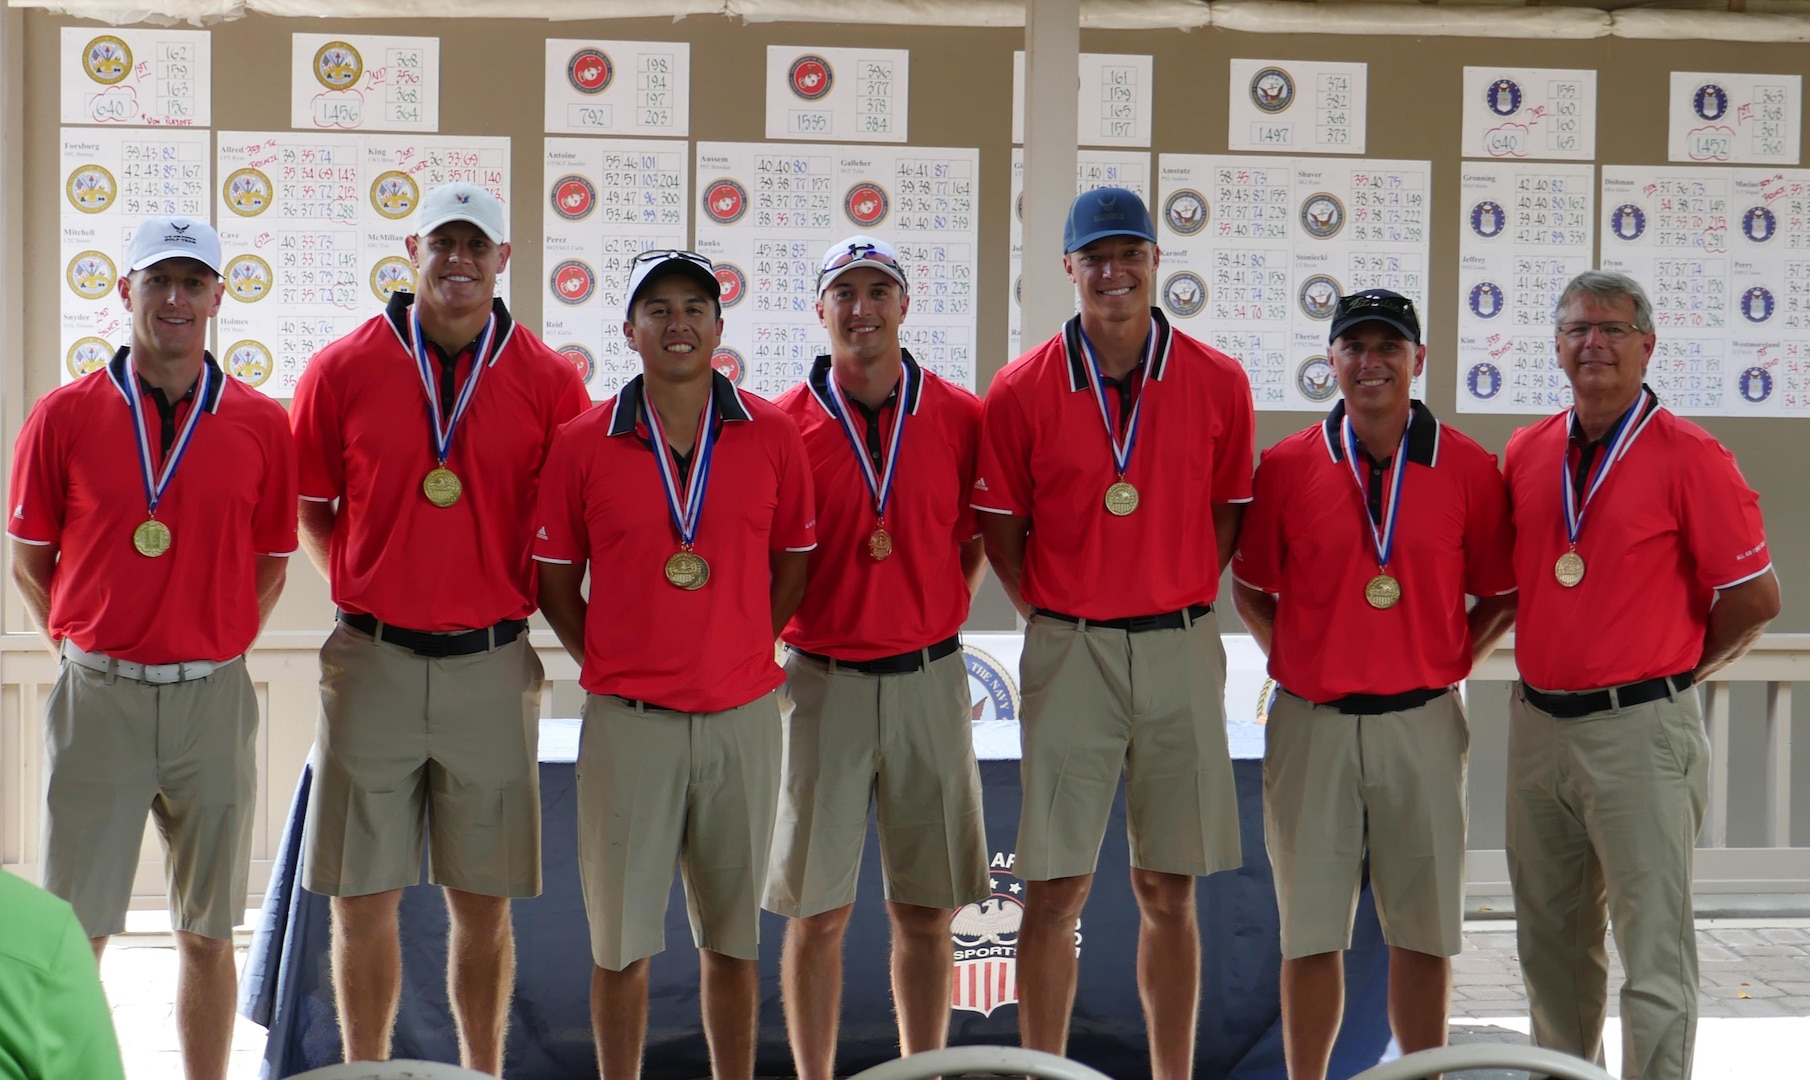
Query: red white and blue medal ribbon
x: 156, y: 484
x: 686, y: 505
x: 1626, y: 430
x: 1384, y: 536
x: 879, y: 482
x: 444, y: 425
x: 1121, y: 446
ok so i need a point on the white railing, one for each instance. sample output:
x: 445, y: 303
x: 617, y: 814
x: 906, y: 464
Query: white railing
x: 284, y: 667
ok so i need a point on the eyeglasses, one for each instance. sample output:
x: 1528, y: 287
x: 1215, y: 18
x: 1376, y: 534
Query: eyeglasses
x: 859, y: 253
x: 673, y: 253
x: 1612, y: 331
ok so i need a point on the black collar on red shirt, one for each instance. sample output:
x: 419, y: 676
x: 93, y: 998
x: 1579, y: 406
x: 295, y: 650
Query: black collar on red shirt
x: 1649, y: 405
x: 398, y: 314
x: 1077, y: 359
x: 629, y: 403
x: 116, y: 370
x: 820, y: 383
x: 1423, y: 434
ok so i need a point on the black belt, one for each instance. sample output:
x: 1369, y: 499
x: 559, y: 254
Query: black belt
x: 1377, y: 704
x: 1137, y: 624
x: 422, y: 643
x: 890, y: 665
x: 644, y: 706
x: 1572, y: 706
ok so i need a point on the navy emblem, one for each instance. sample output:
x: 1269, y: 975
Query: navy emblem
x: 590, y: 70
x: 573, y: 281
x: 1627, y: 221
x: 810, y: 77
x: 1503, y: 97
x: 1322, y: 215
x: 1315, y: 379
x: 1484, y: 380
x: 725, y: 201
x: 1757, y: 304
x: 1184, y: 294
x: 1272, y: 90
x: 1759, y: 225
x: 990, y: 687
x: 1488, y: 219
x: 732, y: 282
x: 581, y: 359
x: 729, y: 364
x: 1486, y: 300
x: 1318, y: 296
x: 1710, y: 102
x: 1756, y: 385
x: 1185, y: 211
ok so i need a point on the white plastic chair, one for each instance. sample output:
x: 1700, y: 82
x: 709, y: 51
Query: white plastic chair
x: 982, y: 1061
x: 1447, y: 1059
x: 392, y: 1070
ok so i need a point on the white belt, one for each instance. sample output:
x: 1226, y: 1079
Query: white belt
x: 186, y: 671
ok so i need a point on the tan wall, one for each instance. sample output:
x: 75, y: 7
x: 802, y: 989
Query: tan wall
x: 491, y: 78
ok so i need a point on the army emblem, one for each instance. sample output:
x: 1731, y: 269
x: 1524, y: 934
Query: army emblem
x: 107, y: 60
x: 91, y: 189
x: 249, y: 362
x: 337, y: 65
x: 91, y: 275
x: 88, y: 355
x: 395, y: 195
x: 248, y: 192
x: 248, y: 278
x: 391, y: 275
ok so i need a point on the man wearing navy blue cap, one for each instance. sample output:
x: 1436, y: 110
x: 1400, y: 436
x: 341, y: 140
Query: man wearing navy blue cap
x: 1115, y: 460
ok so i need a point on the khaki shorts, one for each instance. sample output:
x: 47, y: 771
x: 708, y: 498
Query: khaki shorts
x: 1099, y: 702
x: 405, y: 740
x: 116, y: 748
x: 1338, y: 787
x: 900, y: 742
x: 658, y: 789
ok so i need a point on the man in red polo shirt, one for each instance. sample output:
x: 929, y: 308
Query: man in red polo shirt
x: 153, y: 519
x: 1643, y: 568
x: 876, y: 695
x: 691, y: 502
x: 421, y: 437
x: 1371, y: 527
x: 1115, y: 458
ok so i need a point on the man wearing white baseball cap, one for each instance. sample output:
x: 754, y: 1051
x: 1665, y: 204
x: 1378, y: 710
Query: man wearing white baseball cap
x: 876, y: 694
x: 430, y: 693
x: 153, y: 514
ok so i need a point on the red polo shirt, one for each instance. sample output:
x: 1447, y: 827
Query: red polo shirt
x: 76, y: 484
x: 857, y: 607
x: 1307, y: 539
x: 363, y: 436
x: 1045, y: 455
x: 704, y: 650
x: 1674, y: 522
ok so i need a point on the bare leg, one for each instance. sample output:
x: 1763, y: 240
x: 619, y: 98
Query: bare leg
x: 731, y: 997
x: 480, y: 975
x: 619, y: 1019
x: 923, y: 963
x: 206, y: 986
x: 1420, y: 992
x: 1168, y: 969
x: 1313, y: 1006
x: 99, y: 945
x: 810, y: 979
x: 1046, y: 960
x: 367, y: 972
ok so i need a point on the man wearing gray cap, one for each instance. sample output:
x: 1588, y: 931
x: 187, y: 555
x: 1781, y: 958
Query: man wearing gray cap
x: 1115, y: 460
x: 153, y: 514
x: 420, y: 437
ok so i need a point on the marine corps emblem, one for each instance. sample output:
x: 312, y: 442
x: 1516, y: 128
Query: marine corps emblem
x: 732, y: 282
x: 810, y: 77
x: 590, y: 70
x: 725, y: 201
x: 581, y: 359
x: 573, y: 281
x: 866, y: 204
x: 574, y: 197
x: 729, y: 364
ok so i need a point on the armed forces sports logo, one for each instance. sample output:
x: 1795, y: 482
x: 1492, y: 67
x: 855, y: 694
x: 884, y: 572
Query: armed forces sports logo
x: 87, y: 355
x: 590, y: 71
x: 1322, y: 215
x: 581, y: 359
x: 1319, y: 296
x: 574, y: 197
x: 90, y: 188
x: 1503, y: 97
x: 248, y: 278
x: 866, y: 204
x: 107, y: 60
x: 573, y: 281
x: 1315, y: 379
x: 395, y: 195
x: 248, y: 192
x: 985, y: 934
x: 733, y: 283
x: 725, y: 200
x: 1184, y: 294
x: 337, y: 65
x: 810, y: 77
x: 91, y: 275
x: 729, y: 364
x: 1272, y: 90
x: 1488, y: 219
x: 391, y: 275
x: 1484, y: 380
x: 1627, y: 222
x: 1186, y: 212
x: 250, y: 362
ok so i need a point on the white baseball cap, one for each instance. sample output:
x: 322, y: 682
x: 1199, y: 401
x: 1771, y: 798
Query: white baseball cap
x: 463, y: 202
x: 659, y: 263
x: 160, y: 238
x: 855, y: 251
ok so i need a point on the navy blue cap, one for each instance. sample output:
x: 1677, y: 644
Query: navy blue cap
x: 1108, y: 211
x: 1392, y: 309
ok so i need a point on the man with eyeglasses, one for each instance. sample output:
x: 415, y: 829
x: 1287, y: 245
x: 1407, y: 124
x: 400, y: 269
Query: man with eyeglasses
x: 152, y: 524
x: 1371, y: 526
x: 1115, y: 463
x: 422, y: 435
x: 876, y: 694
x: 1642, y: 564
x: 691, y: 503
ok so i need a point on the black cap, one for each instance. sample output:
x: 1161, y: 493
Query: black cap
x: 1376, y: 305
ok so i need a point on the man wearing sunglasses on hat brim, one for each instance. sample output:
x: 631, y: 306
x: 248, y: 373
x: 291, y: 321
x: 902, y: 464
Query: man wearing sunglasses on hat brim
x: 690, y: 501
x: 1370, y: 528
x: 876, y: 695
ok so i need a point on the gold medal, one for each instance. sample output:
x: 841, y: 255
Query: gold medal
x: 1569, y: 569
x: 442, y: 487
x: 1382, y: 591
x: 1121, y: 499
x: 151, y: 538
x: 879, y: 544
x: 687, y: 570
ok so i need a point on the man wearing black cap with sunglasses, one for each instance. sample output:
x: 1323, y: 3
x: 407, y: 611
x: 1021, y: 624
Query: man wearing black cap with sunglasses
x: 1367, y: 533
x: 876, y: 695
x: 1115, y: 461
x: 691, y: 503
x: 421, y: 436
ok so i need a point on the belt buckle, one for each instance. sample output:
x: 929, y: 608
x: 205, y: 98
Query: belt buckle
x: 1140, y: 623
x: 161, y: 674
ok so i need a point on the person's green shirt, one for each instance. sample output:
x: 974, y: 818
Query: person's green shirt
x: 54, y: 1020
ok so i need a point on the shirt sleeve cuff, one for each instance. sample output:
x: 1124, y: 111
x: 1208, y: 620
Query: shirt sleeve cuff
x: 556, y: 562
x: 995, y: 510
x: 318, y: 498
x: 1728, y: 585
x: 28, y: 540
